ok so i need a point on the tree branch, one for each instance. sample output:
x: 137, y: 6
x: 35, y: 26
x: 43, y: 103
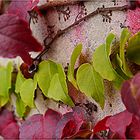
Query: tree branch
x: 94, y: 13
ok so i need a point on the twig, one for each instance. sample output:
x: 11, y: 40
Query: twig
x: 96, y: 12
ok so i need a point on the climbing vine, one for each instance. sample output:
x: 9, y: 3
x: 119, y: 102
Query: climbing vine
x: 116, y: 62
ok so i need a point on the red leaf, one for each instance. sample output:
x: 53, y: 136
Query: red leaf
x: 39, y: 126
x: 130, y: 94
x: 16, y: 38
x: 70, y: 123
x: 76, y: 95
x: 21, y: 8
x: 54, y: 125
x: 101, y: 125
x: 8, y: 126
x: 119, y: 123
x: 134, y: 131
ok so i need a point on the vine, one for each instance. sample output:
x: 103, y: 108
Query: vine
x: 92, y: 14
x: 112, y: 61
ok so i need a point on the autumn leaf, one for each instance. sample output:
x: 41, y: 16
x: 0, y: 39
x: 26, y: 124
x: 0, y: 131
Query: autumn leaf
x: 134, y: 129
x: 21, y: 8
x: 8, y: 126
x: 76, y: 95
x: 119, y: 122
x: 39, y: 126
x: 16, y: 38
x: 130, y: 94
x: 101, y: 125
x: 54, y: 125
x: 117, y: 125
x: 70, y: 123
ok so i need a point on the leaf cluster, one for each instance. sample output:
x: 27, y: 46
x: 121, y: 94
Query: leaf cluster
x: 88, y: 78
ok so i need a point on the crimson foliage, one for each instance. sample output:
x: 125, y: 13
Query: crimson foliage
x: 16, y: 38
x: 8, y: 125
x: 15, y: 35
x: 130, y: 94
x: 53, y: 125
x: 39, y: 126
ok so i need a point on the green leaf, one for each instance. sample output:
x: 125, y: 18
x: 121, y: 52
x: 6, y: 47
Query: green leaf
x: 27, y: 92
x: 19, y: 81
x: 133, y: 50
x: 62, y: 78
x: 3, y: 100
x: 51, y: 79
x: 73, y: 59
x: 123, y: 40
x: 5, y: 84
x: 102, y: 63
x: 44, y: 75
x: 20, y: 107
x: 56, y: 91
x: 91, y: 83
x: 117, y: 62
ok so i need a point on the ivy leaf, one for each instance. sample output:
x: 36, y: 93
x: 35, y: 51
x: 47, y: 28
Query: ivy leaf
x: 19, y: 81
x: 134, y: 128
x: 3, y: 101
x: 20, y: 107
x: 119, y: 123
x: 123, y: 40
x: 133, y: 49
x: 21, y: 8
x: 117, y: 63
x: 130, y: 94
x: 73, y: 59
x: 46, y: 71
x: 13, y: 35
x: 5, y: 84
x: 102, y: 64
x: 39, y: 126
x: 101, y: 125
x: 8, y: 125
x: 54, y: 125
x: 56, y: 91
x: 27, y: 92
x: 52, y: 81
x: 58, y: 88
x: 91, y: 83
x: 62, y: 78
x: 70, y: 123
x: 76, y: 95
